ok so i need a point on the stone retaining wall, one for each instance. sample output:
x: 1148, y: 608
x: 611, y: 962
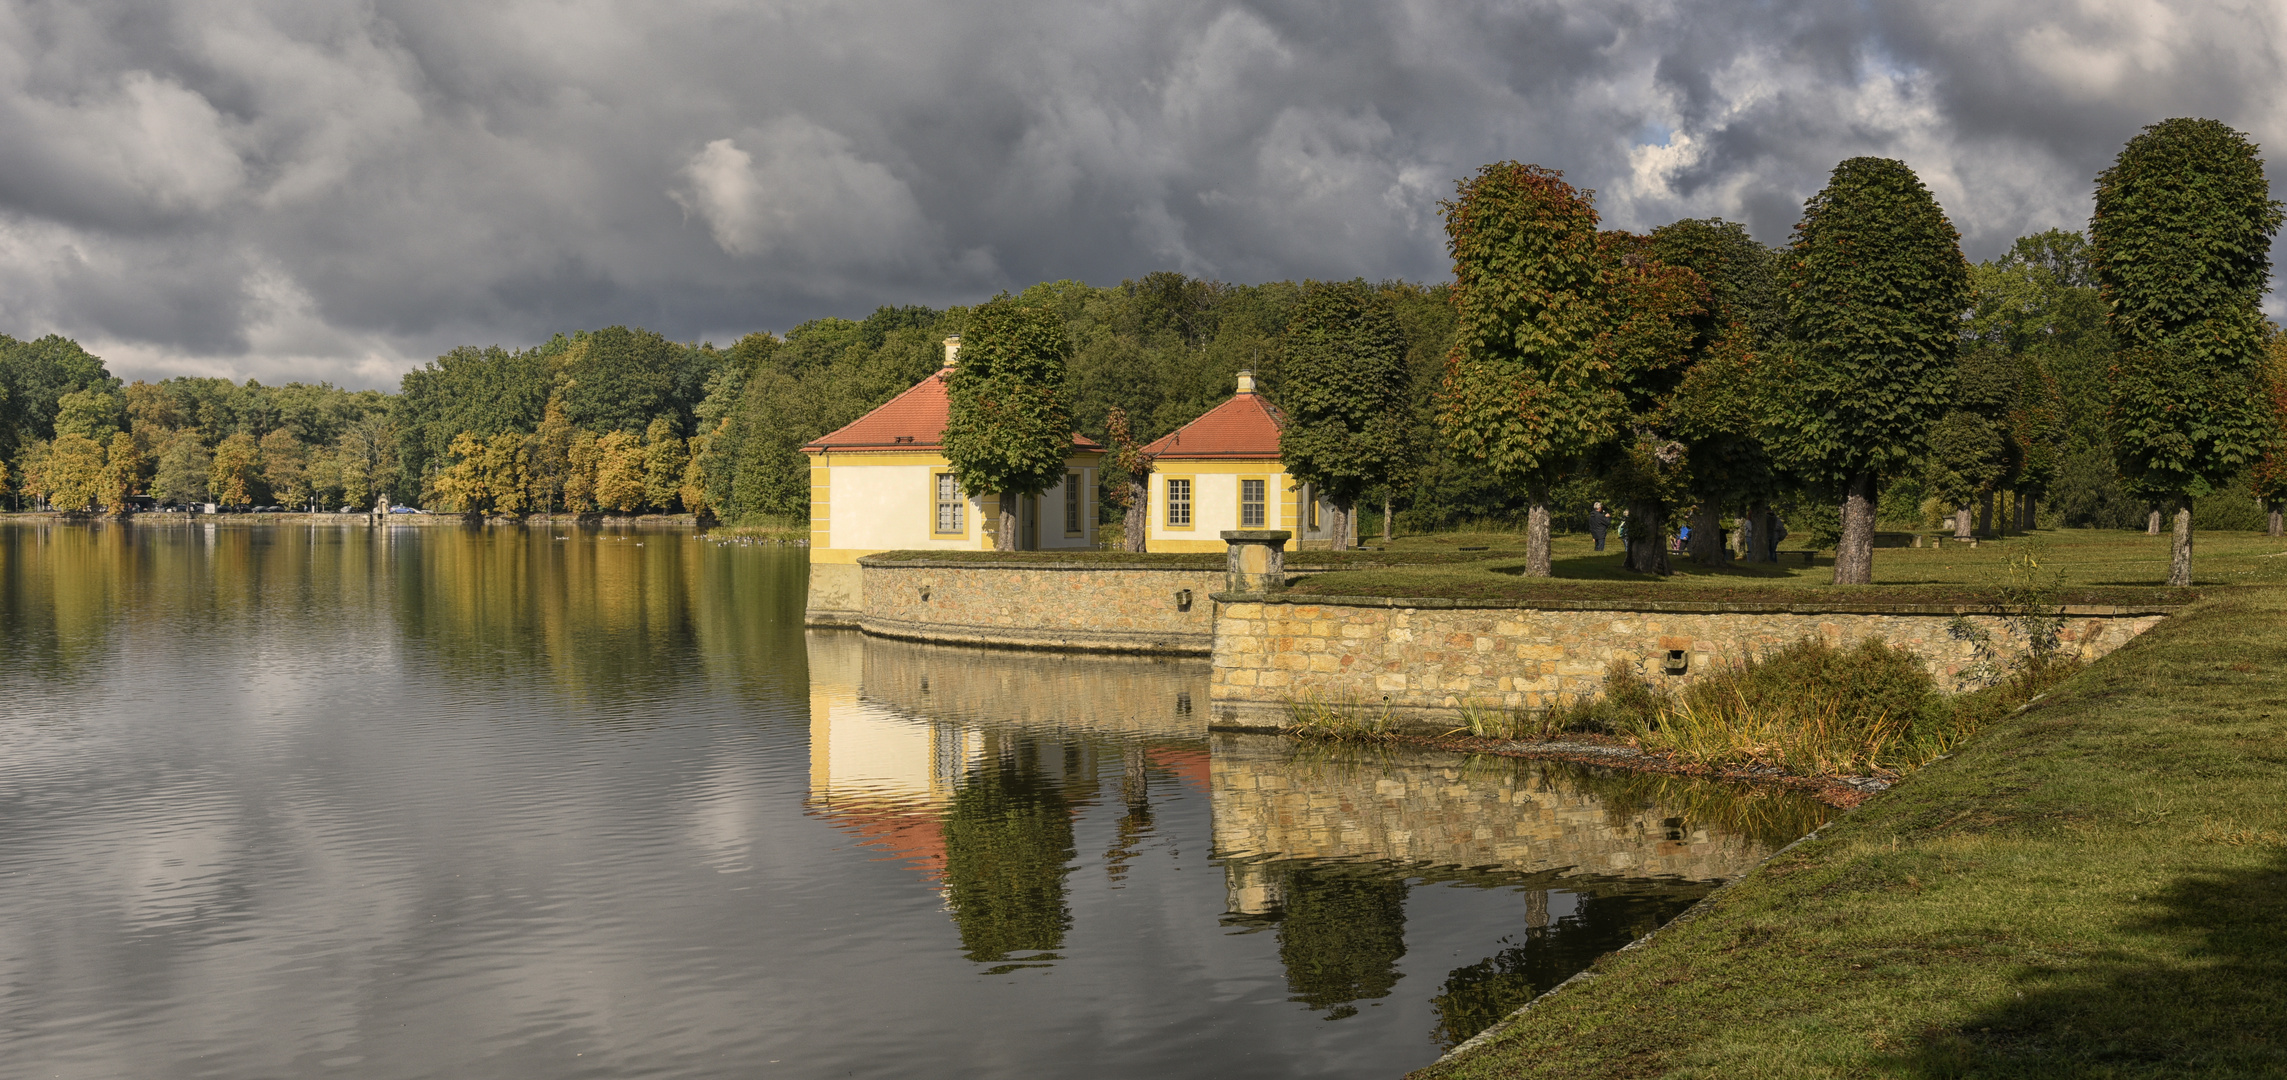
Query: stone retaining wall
x: 1419, y: 806
x: 1430, y: 662
x: 1091, y: 607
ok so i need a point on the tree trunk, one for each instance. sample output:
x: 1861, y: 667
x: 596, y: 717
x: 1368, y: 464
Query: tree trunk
x: 1135, y: 529
x: 2275, y: 520
x: 1006, y: 540
x: 1985, y: 515
x: 1385, y: 521
x: 2030, y: 515
x: 1707, y: 533
x: 1536, y: 540
x: 2152, y: 524
x: 2180, y: 546
x: 1961, y: 522
x: 1648, y: 539
x: 1762, y: 549
x: 1340, y: 515
x: 1854, y: 555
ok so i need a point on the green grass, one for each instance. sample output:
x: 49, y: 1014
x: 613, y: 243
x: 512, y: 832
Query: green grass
x: 2095, y: 886
x: 2095, y: 567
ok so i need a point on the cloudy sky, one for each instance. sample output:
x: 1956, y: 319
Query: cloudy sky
x: 341, y: 189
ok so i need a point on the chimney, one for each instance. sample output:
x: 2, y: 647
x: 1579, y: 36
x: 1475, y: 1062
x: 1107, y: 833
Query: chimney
x: 1246, y: 382
x: 952, y: 349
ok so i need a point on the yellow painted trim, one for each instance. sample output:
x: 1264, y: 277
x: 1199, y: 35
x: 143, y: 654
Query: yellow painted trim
x: 821, y: 506
x: 1188, y: 545
x: 841, y: 555
x: 1256, y: 467
x: 1167, y: 502
x: 846, y: 459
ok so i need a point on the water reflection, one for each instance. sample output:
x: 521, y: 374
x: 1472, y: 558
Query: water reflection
x: 541, y: 803
x: 974, y: 766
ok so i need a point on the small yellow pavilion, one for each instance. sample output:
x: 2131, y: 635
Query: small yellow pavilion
x: 883, y: 484
x: 1222, y: 471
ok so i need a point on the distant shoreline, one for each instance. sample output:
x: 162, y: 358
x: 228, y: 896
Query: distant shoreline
x: 167, y: 517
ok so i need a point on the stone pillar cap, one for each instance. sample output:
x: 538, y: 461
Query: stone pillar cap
x: 1242, y: 535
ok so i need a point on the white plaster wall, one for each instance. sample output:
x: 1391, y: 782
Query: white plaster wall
x: 888, y: 508
x: 893, y: 508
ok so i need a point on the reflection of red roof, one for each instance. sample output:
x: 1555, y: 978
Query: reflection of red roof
x: 1189, y: 766
x: 913, y: 420
x: 1244, y: 427
x: 915, y: 838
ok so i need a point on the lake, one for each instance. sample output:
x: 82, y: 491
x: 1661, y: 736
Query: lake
x: 564, y: 802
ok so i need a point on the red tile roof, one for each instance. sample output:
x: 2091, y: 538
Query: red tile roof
x: 913, y: 420
x: 1245, y: 427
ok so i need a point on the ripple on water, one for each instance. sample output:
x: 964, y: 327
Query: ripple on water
x: 419, y: 802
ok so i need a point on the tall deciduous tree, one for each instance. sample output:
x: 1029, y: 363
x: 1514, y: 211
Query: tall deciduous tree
x: 1654, y: 332
x: 122, y: 469
x: 234, y: 472
x: 1526, y: 394
x: 619, y: 471
x: 1717, y: 409
x: 1342, y: 384
x: 1877, y: 287
x: 1970, y: 449
x: 1128, y: 459
x: 286, y: 468
x: 1010, y: 428
x: 664, y: 457
x: 2269, y: 477
x: 2182, y: 239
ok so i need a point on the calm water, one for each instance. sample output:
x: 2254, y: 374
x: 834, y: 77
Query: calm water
x: 284, y: 801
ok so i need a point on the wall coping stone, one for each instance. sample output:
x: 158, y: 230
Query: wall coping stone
x: 1210, y: 563
x: 1678, y: 607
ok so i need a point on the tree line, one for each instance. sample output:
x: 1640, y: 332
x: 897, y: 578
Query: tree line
x: 1864, y: 370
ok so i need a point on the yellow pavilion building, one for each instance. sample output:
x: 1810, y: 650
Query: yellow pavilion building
x: 883, y: 484
x: 1222, y: 471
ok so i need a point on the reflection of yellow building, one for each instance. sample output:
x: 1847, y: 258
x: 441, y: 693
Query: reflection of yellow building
x: 885, y: 775
x: 883, y: 484
x: 1222, y: 471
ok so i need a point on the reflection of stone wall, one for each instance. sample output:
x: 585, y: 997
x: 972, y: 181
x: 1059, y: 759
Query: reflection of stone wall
x: 1093, y: 607
x: 1422, y: 807
x: 1156, y: 697
x: 1432, y: 660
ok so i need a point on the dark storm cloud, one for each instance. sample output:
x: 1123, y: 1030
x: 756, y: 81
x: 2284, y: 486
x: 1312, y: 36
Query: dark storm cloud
x: 341, y: 188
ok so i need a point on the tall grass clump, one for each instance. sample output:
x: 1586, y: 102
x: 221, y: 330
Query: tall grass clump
x: 1807, y: 707
x: 1346, y: 720
x: 1815, y: 709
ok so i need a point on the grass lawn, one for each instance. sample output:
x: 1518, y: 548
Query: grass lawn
x: 2095, y: 567
x: 2094, y: 887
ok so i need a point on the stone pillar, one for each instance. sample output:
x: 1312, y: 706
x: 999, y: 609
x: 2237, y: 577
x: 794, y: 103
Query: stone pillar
x: 1257, y: 560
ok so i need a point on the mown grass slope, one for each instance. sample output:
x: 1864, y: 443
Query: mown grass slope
x: 2095, y: 887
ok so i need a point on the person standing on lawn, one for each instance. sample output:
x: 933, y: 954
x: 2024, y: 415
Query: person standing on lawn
x: 1598, y: 523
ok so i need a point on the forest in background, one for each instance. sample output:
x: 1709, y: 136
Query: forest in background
x: 626, y: 420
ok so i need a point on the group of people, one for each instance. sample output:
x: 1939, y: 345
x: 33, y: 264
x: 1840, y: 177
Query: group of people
x: 1600, y: 523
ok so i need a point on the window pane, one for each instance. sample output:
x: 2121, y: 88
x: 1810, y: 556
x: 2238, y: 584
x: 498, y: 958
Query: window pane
x: 948, y: 504
x: 1071, y: 502
x: 1250, y: 504
x: 1179, y: 502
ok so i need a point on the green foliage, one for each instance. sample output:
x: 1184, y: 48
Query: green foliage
x: 1877, y: 287
x: 94, y: 413
x: 1344, y: 389
x: 1970, y: 448
x: 1008, y: 843
x: 34, y: 377
x: 1010, y: 427
x: 1527, y: 392
x: 2268, y: 480
x: 2182, y: 240
x: 1342, y: 931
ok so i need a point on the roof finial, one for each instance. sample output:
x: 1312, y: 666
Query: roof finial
x: 952, y: 349
x: 1246, y: 382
